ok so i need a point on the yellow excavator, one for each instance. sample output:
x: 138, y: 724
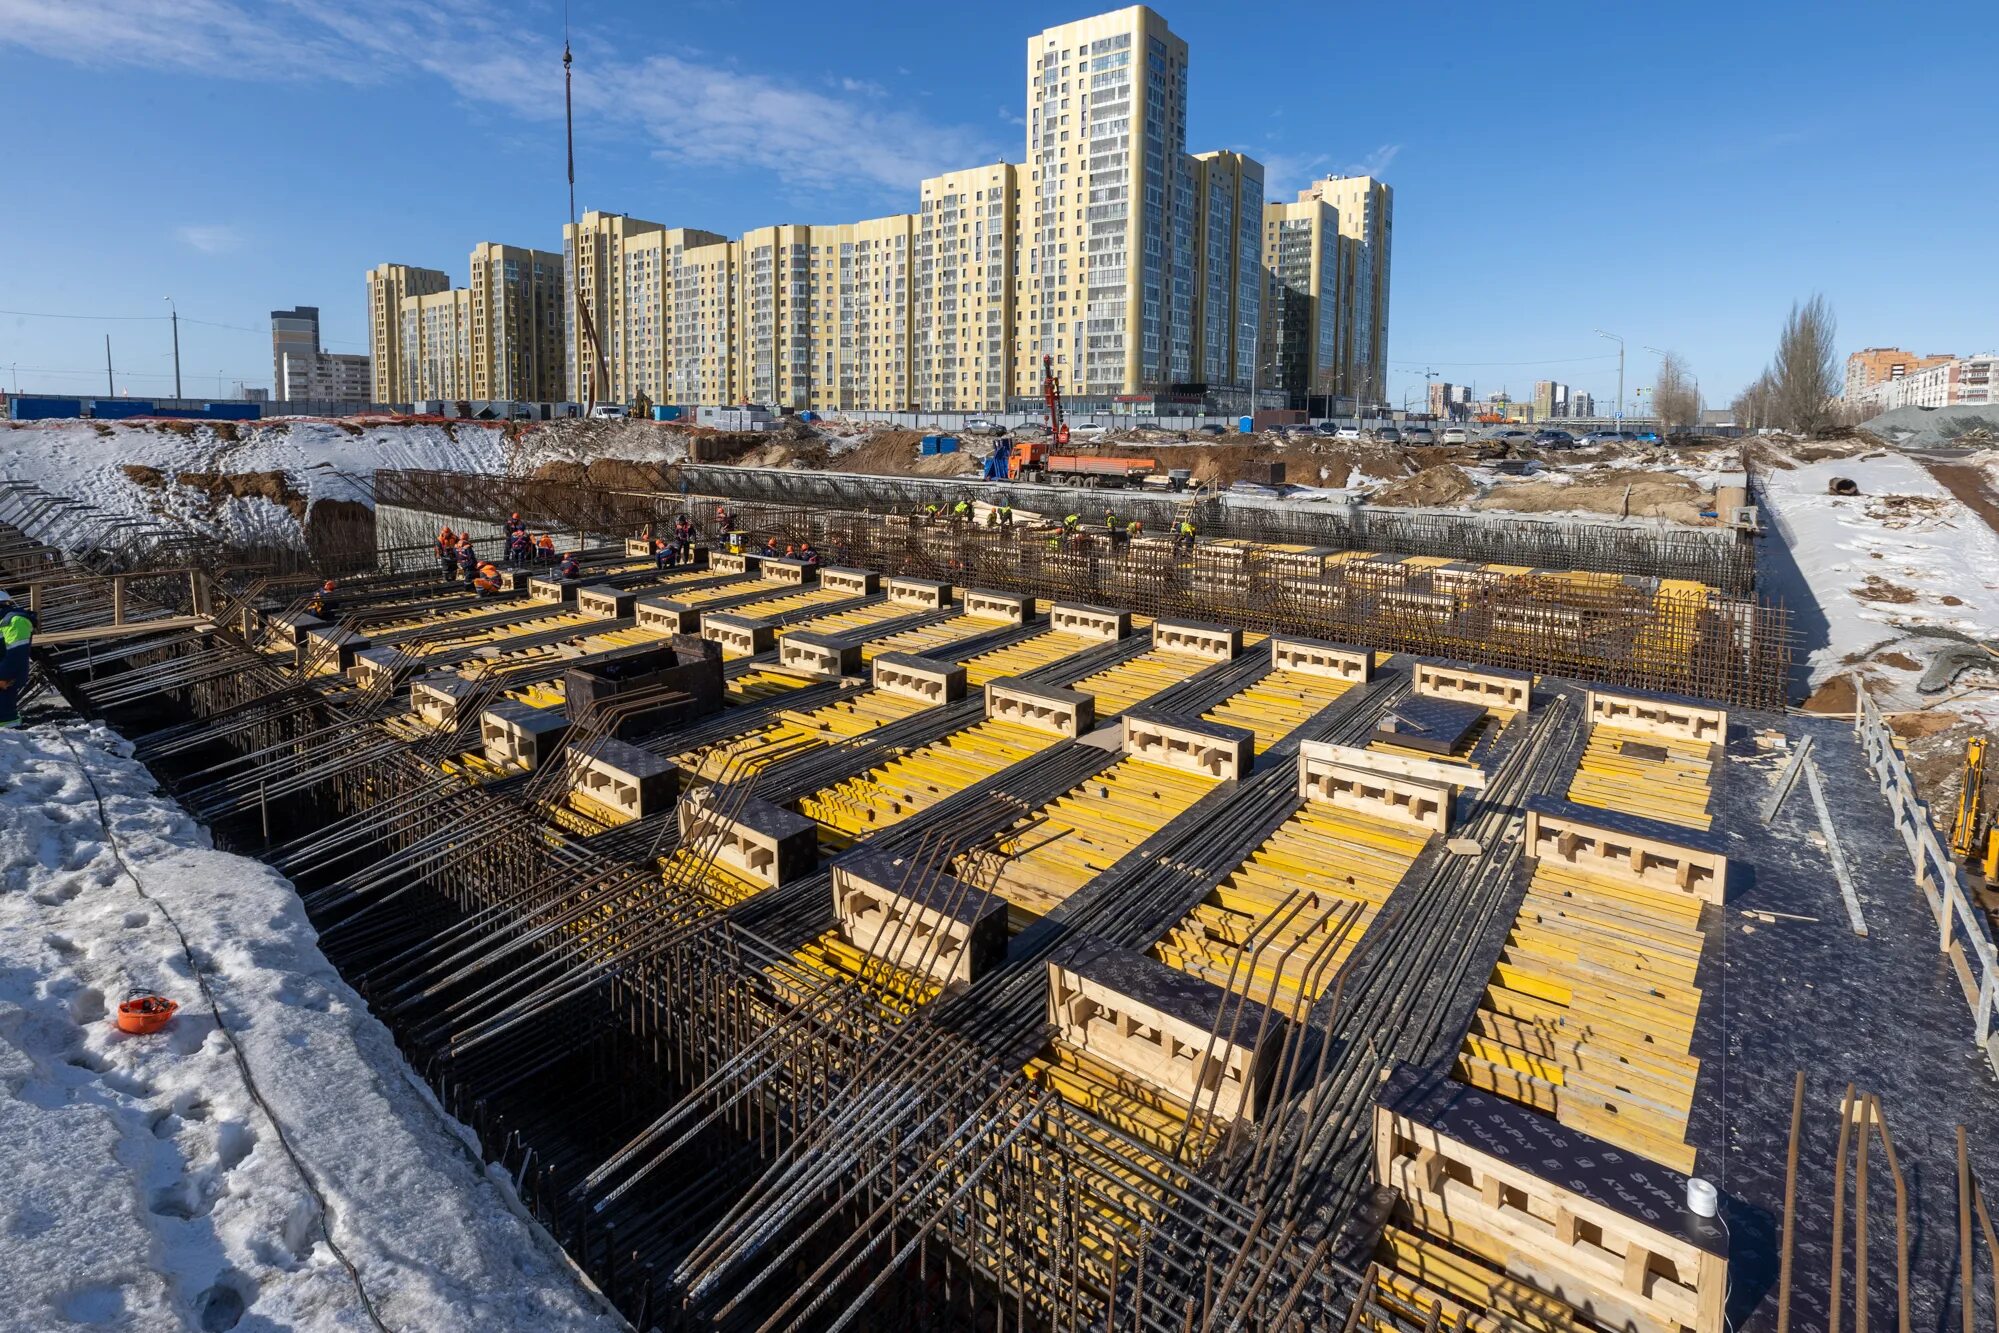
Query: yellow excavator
x: 1969, y: 823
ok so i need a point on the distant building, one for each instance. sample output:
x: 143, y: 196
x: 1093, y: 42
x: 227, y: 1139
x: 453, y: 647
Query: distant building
x: 389, y: 286
x: 1366, y: 209
x: 1302, y: 250
x: 1550, y: 400
x: 302, y: 370
x: 1971, y: 381
x: 1877, y: 365
x: 1440, y: 398
x: 1581, y: 404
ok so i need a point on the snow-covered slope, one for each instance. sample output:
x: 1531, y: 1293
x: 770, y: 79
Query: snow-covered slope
x: 144, y: 1188
x: 98, y: 462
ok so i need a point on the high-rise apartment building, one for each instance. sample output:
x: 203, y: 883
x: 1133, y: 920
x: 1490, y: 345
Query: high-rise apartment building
x: 862, y: 301
x: 388, y: 286
x: 1366, y: 209
x: 1106, y: 269
x: 437, y: 353
x: 303, y: 370
x: 963, y: 316
x: 1551, y: 400
x: 774, y: 316
x: 703, y: 366
x: 1301, y: 326
x: 626, y: 276
x: 1875, y: 365
x: 517, y: 324
x: 1228, y: 267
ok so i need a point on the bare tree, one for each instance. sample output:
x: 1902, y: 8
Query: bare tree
x: 1753, y: 407
x: 1674, y: 395
x: 1806, y: 372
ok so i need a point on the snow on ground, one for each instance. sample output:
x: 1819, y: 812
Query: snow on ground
x: 144, y: 1188
x: 321, y: 460
x: 1900, y: 571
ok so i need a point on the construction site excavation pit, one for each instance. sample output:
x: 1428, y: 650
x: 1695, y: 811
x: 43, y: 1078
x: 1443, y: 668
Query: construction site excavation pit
x: 964, y: 926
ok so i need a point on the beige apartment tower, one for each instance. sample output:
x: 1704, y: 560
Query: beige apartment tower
x: 626, y: 274
x: 1366, y: 209
x: 1228, y: 268
x: 1301, y: 329
x: 1105, y: 279
x: 862, y: 290
x: 388, y: 286
x: 516, y: 304
x: 436, y: 331
x: 965, y: 311
x: 703, y: 366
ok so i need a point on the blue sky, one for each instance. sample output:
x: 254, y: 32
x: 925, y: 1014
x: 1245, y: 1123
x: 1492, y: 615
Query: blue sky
x: 1675, y: 173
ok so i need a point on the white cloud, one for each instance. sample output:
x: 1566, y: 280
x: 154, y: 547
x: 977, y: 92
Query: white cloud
x: 700, y: 111
x: 1376, y: 162
x: 1012, y: 117
x: 1284, y: 174
x: 211, y: 238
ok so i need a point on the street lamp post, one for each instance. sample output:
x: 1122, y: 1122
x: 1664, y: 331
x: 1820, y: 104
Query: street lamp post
x: 174, y: 312
x: 1620, y: 374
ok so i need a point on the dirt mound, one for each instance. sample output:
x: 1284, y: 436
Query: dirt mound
x: 1444, y: 484
x: 273, y: 486
x: 149, y: 477
x: 1618, y: 492
x: 615, y: 473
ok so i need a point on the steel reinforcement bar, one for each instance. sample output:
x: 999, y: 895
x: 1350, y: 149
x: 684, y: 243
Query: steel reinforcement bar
x: 1627, y: 631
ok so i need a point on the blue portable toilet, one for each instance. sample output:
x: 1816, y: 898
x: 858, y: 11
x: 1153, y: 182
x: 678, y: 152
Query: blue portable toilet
x: 1249, y: 425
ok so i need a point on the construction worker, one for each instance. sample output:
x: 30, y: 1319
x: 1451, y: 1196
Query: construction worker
x: 930, y: 512
x: 664, y: 553
x: 1113, y: 527
x: 17, y: 634
x: 545, y: 549
x: 725, y: 520
x: 569, y: 568
x: 683, y: 531
x: 520, y: 550
x: 769, y: 547
x: 961, y: 512
x: 807, y: 554
x: 447, y: 552
x: 468, y: 559
x: 1135, y: 528
x: 1072, y: 522
x: 1184, y: 535
x: 1003, y: 515
x: 323, y: 603
x: 514, y: 524
x: 488, y: 582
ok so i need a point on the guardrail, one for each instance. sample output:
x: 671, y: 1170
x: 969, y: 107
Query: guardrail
x: 1962, y: 933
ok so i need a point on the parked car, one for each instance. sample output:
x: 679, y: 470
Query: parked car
x: 981, y: 424
x: 609, y: 410
x: 1456, y: 435
x: 1325, y: 428
x: 1598, y: 438
x: 1351, y: 434
x: 1649, y: 437
x: 1387, y: 435
x: 1554, y: 439
x: 1211, y: 428
x: 1418, y: 435
x: 1507, y: 435
x: 1086, y: 430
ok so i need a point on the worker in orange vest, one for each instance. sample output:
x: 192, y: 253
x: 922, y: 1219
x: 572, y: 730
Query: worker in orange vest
x: 447, y: 552
x: 545, y: 549
x: 488, y: 581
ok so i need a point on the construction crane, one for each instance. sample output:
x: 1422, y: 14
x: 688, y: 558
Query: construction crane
x: 1970, y: 800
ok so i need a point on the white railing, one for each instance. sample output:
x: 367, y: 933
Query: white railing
x: 1962, y: 934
